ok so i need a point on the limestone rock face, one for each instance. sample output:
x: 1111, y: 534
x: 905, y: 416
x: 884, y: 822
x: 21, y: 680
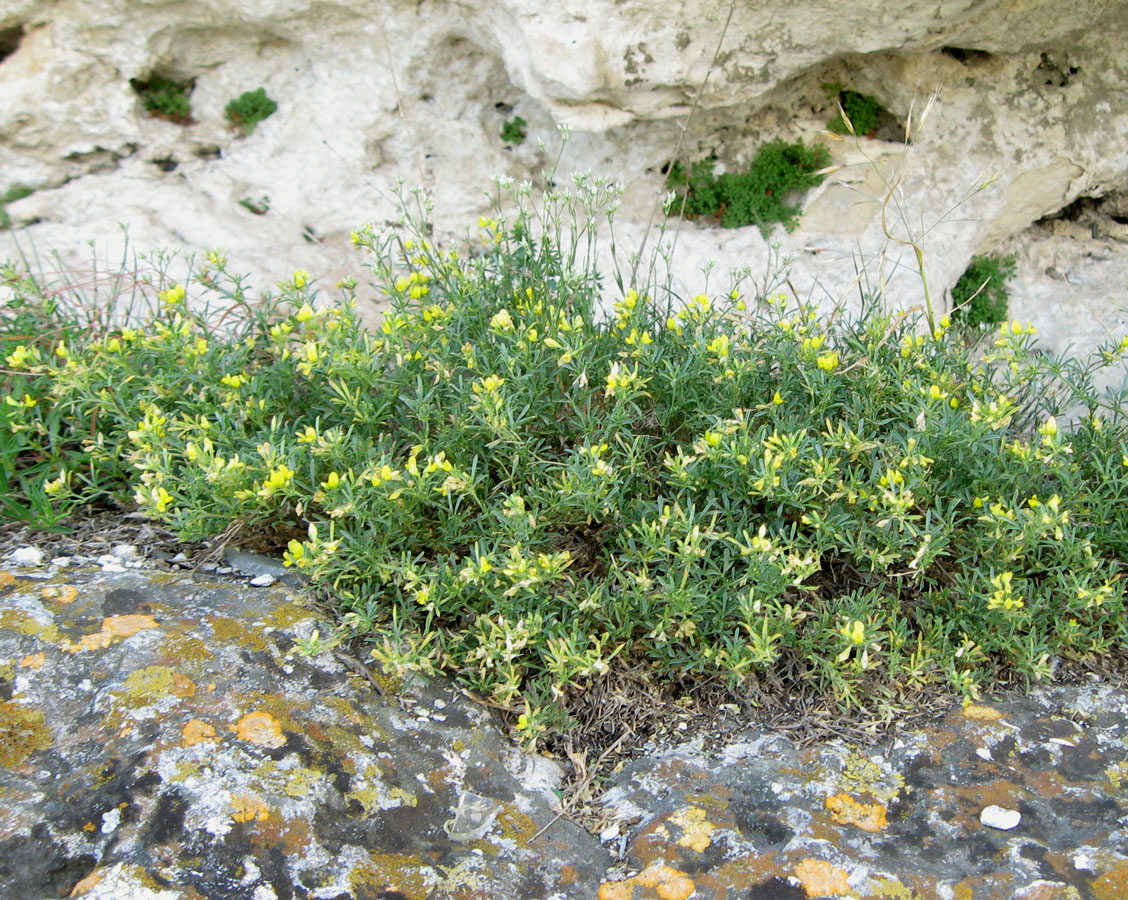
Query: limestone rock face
x: 1029, y: 117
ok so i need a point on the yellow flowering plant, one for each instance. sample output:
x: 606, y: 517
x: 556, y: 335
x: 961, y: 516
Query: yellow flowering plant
x: 535, y: 480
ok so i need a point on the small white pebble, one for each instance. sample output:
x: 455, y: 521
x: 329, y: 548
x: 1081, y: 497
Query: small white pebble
x: 682, y: 726
x: 224, y: 570
x: 439, y: 703
x: 27, y: 556
x: 125, y: 551
x: 1082, y: 861
x: 609, y: 833
x: 265, y: 580
x: 180, y: 557
x: 110, y: 563
x: 62, y: 561
x: 983, y: 753
x: 1000, y: 818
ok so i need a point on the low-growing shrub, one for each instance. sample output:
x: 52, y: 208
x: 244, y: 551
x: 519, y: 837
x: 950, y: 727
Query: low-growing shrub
x: 535, y: 486
x: 758, y: 196
x: 980, y: 296
x: 164, y: 98
x: 250, y: 108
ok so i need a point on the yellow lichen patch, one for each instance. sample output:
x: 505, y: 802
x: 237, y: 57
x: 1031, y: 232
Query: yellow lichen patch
x: 60, y: 593
x: 6, y: 578
x: 1113, y: 884
x: 697, y: 831
x: 845, y: 810
x: 822, y: 879
x: 233, y: 631
x: 979, y: 713
x: 285, y: 778
x: 22, y: 732
x: 196, y: 732
x: 155, y: 682
x: 87, y: 884
x: 249, y: 808
x: 112, y: 627
x: 1116, y: 774
x: 260, y: 728
x: 894, y: 890
x: 33, y: 661
x: 656, y: 880
x: 389, y: 872
x: 862, y: 775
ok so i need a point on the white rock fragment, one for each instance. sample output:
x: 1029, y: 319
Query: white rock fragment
x: 61, y: 561
x: 983, y: 753
x: 1000, y: 818
x: 609, y: 833
x: 263, y: 580
x: 180, y: 558
x: 110, y: 563
x: 125, y: 551
x: 28, y: 557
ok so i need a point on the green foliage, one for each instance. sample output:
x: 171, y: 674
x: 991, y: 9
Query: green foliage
x: 250, y: 108
x: 14, y: 193
x: 259, y: 207
x: 534, y: 483
x: 863, y: 111
x: 513, y: 131
x: 755, y: 197
x: 164, y: 98
x: 980, y: 296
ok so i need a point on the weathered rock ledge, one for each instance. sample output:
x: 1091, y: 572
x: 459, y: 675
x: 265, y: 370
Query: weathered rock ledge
x: 162, y: 737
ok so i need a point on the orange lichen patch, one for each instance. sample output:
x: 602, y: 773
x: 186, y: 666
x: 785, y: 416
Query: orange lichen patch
x: 87, y: 884
x: 249, y: 808
x: 60, y: 593
x: 567, y: 874
x: 845, y: 810
x: 6, y: 578
x: 196, y: 732
x: 822, y: 879
x: 33, y: 661
x: 979, y: 713
x: 112, y: 627
x: 1113, y: 884
x: 697, y: 831
x: 260, y: 728
x: 656, y: 880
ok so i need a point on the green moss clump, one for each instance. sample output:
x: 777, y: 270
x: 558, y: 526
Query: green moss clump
x: 863, y: 111
x: 757, y: 196
x: 164, y: 98
x: 250, y: 108
x: 980, y: 296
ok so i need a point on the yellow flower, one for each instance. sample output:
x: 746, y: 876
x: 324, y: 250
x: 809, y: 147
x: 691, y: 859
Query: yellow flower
x: 301, y: 278
x: 173, y: 296
x: 828, y: 361
x: 308, y: 436
x: 502, y: 321
x: 305, y: 313
x: 233, y: 381
x: 332, y: 481
x: 854, y: 631
x: 21, y: 356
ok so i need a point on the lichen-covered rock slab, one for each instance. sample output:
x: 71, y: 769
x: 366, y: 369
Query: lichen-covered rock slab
x: 161, y: 737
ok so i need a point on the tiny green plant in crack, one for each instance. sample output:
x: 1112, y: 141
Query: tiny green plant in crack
x: 513, y: 131
x: 164, y: 98
x: 248, y: 109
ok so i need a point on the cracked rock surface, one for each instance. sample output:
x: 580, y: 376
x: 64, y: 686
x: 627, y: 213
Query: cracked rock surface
x: 161, y: 738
